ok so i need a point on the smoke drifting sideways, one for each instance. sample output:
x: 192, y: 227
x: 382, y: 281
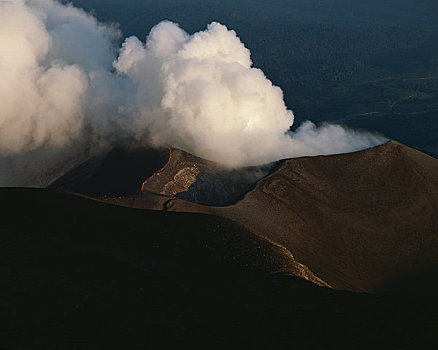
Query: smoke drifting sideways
x: 68, y: 90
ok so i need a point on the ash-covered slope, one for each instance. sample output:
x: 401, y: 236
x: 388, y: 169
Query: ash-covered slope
x: 359, y: 221
x: 82, y: 274
x: 365, y: 221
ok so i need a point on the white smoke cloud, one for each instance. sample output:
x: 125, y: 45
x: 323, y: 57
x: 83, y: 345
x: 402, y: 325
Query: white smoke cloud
x: 58, y: 96
x: 63, y: 90
x: 205, y: 97
x: 51, y: 57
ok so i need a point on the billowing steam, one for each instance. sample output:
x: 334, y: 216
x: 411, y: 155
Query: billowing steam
x: 66, y: 90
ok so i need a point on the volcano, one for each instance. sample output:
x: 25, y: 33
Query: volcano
x: 141, y: 246
x: 364, y: 221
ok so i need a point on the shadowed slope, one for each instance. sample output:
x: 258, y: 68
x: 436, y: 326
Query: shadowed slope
x: 82, y: 274
x: 119, y: 172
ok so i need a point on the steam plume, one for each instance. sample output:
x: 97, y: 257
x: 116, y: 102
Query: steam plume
x: 66, y: 89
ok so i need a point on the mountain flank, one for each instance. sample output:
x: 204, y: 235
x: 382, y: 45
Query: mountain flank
x: 83, y: 274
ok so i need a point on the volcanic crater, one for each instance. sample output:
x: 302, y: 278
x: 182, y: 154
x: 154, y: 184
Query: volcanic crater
x: 364, y: 221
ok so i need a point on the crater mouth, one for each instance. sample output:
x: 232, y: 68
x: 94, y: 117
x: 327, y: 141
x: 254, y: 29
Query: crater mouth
x: 134, y: 171
x: 200, y: 181
x: 224, y: 187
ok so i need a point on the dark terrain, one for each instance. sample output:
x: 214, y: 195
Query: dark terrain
x: 79, y: 274
x: 118, y: 172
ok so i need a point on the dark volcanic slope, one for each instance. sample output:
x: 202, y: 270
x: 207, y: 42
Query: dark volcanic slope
x: 365, y: 221
x: 359, y: 221
x: 120, y: 172
x: 79, y: 274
